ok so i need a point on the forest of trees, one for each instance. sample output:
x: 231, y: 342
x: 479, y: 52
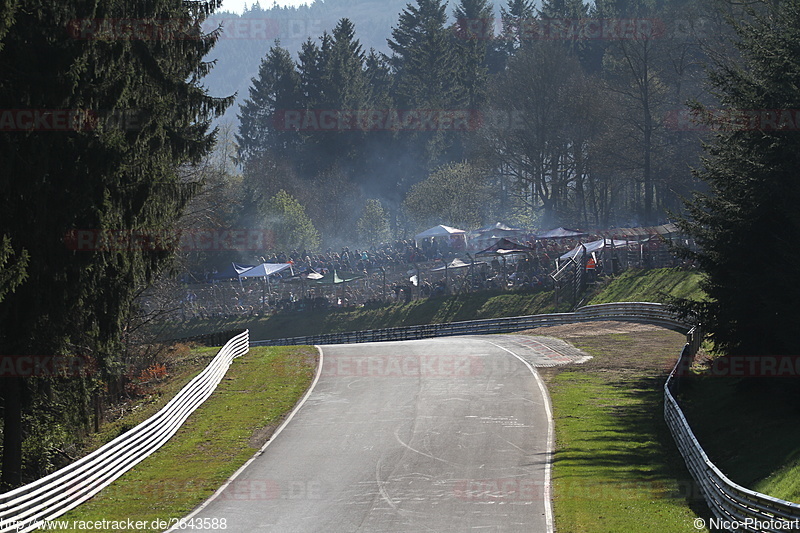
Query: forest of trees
x: 564, y: 127
x: 535, y: 119
x: 55, y: 301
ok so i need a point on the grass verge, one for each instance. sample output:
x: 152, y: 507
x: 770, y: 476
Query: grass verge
x: 615, y: 466
x: 650, y: 286
x: 750, y: 429
x: 427, y: 311
x: 224, y: 432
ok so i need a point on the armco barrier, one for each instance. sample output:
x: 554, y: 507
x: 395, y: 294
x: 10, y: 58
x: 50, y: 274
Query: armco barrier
x: 742, y: 509
x: 22, y: 509
x: 635, y: 311
x: 739, y: 508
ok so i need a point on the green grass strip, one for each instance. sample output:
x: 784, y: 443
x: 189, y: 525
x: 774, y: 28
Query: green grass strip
x: 224, y: 432
x: 651, y: 286
x: 616, y: 468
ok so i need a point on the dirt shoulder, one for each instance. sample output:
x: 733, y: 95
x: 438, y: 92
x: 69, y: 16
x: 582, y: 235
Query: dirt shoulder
x: 617, y: 347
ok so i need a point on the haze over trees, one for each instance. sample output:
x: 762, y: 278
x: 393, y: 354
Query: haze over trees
x: 570, y: 109
x: 530, y: 117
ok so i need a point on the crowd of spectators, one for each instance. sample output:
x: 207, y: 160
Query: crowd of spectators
x: 389, y: 273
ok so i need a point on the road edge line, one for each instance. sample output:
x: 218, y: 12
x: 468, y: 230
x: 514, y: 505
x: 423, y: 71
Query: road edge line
x: 548, y: 499
x: 255, y: 456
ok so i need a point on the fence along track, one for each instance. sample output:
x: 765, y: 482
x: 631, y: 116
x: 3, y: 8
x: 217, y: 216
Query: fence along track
x: 54, y: 495
x: 727, y: 500
x: 637, y: 311
x: 51, y: 496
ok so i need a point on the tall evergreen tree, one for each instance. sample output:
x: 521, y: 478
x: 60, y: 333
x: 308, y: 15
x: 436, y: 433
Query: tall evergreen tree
x: 745, y: 226
x: 517, y: 22
x: 474, y: 28
x: 118, y: 175
x: 276, y: 90
x: 311, y: 69
x: 423, y: 58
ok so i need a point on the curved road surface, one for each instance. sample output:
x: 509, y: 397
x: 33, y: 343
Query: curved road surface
x: 448, y: 434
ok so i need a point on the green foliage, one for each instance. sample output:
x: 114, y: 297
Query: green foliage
x: 373, y: 226
x: 747, y: 223
x: 287, y: 219
x: 11, y: 275
x: 119, y: 175
x: 458, y: 195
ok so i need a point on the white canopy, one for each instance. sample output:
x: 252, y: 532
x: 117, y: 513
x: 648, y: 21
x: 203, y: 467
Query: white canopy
x: 456, y: 263
x: 593, y: 247
x: 264, y: 269
x: 440, y: 231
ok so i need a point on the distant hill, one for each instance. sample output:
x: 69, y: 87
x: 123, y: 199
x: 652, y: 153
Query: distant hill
x: 248, y: 37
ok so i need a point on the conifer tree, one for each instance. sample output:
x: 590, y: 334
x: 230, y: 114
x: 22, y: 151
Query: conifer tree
x: 116, y: 173
x: 275, y: 91
x: 746, y: 226
x: 474, y: 29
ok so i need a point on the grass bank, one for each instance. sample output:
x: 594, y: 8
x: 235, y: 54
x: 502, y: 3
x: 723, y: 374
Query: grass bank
x: 636, y: 285
x: 250, y: 402
x: 615, y: 466
x: 750, y: 429
x: 427, y: 311
x: 650, y: 286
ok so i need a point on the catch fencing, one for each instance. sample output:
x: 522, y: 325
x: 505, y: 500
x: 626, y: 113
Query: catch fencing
x: 25, y: 508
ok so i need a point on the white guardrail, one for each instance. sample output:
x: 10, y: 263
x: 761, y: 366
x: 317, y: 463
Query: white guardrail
x: 52, y: 496
x: 740, y: 508
x: 25, y: 508
x: 636, y: 311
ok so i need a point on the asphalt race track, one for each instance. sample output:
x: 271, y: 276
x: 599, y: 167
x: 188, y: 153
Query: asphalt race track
x: 448, y: 434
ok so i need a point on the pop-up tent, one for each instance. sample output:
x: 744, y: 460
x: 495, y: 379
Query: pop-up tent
x: 455, y: 264
x: 456, y: 238
x: 562, y: 233
x: 593, y: 247
x: 232, y: 271
x: 264, y: 270
x: 506, y: 247
x: 481, y: 238
x: 335, y: 277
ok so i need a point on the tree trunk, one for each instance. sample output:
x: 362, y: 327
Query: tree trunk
x: 12, y: 434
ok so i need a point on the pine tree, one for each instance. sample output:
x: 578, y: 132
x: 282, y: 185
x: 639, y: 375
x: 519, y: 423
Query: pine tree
x: 275, y: 91
x: 474, y: 28
x: 118, y: 173
x: 423, y: 58
x: 517, y: 23
x: 311, y: 70
x: 748, y: 222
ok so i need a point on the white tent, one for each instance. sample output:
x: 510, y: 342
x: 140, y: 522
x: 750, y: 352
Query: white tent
x: 265, y: 269
x: 591, y: 247
x: 456, y: 238
x: 455, y: 264
x: 440, y: 231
